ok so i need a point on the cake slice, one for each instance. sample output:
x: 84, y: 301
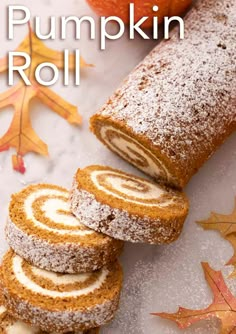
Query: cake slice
x: 59, y: 302
x: 127, y: 207
x: 42, y: 230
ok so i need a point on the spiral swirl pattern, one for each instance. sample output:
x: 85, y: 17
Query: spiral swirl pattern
x: 54, y: 285
x: 131, y: 189
x: 48, y: 209
x: 60, y: 302
x: 42, y: 230
x: 134, y: 152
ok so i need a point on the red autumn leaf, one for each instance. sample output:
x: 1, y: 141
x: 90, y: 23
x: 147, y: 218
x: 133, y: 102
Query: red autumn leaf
x: 223, y: 306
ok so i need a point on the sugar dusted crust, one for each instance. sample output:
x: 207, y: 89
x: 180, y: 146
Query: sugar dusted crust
x: 180, y: 102
x: 122, y: 226
x: 106, y: 214
x: 46, y: 249
x: 8, y: 323
x: 61, y: 258
x: 91, y: 309
x: 62, y: 321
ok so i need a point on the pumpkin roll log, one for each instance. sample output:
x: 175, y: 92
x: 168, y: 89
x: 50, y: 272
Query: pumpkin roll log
x: 127, y: 207
x: 60, y: 302
x: 43, y: 231
x: 11, y: 325
x: 179, y: 104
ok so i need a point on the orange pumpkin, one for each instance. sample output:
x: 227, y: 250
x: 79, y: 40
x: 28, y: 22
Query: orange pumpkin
x: 120, y: 8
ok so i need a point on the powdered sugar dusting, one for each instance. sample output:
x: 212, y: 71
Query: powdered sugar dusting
x: 120, y: 224
x: 182, y: 96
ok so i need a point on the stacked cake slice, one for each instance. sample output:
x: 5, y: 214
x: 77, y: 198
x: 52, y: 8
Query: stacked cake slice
x: 59, y: 275
x: 43, y: 231
x: 128, y: 207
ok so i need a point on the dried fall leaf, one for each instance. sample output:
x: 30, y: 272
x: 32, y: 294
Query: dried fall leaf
x: 20, y: 134
x: 232, y: 262
x: 223, y: 306
x: 226, y: 225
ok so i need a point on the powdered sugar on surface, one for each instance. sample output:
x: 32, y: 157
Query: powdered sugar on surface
x: 154, y: 286
x: 174, y: 271
x: 162, y: 278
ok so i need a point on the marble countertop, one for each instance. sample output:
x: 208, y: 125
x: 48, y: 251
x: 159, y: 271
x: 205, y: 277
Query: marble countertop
x: 156, y: 278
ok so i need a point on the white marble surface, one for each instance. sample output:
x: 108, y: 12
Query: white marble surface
x: 156, y: 278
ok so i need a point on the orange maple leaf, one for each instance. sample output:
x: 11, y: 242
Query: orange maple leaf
x: 232, y: 262
x: 223, y: 306
x: 20, y: 134
x: 226, y: 225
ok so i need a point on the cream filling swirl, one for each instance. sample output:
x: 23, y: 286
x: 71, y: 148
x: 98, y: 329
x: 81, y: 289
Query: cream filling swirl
x: 29, y: 284
x: 133, y: 151
x: 20, y: 327
x: 130, y: 189
x: 51, y: 209
x: 2, y: 309
x: 60, y: 279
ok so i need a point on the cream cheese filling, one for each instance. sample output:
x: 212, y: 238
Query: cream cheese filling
x: 19, y: 327
x: 133, y: 151
x: 27, y: 282
x: 52, y: 208
x: 59, y: 279
x: 2, y: 309
x: 129, y: 189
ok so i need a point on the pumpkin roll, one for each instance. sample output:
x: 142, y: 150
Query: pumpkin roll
x: 179, y: 104
x: 11, y: 325
x: 42, y: 230
x: 60, y: 302
x: 127, y: 207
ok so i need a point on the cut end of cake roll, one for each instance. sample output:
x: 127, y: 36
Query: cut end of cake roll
x: 43, y: 231
x: 178, y: 105
x: 60, y: 302
x: 136, y: 149
x: 127, y: 207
